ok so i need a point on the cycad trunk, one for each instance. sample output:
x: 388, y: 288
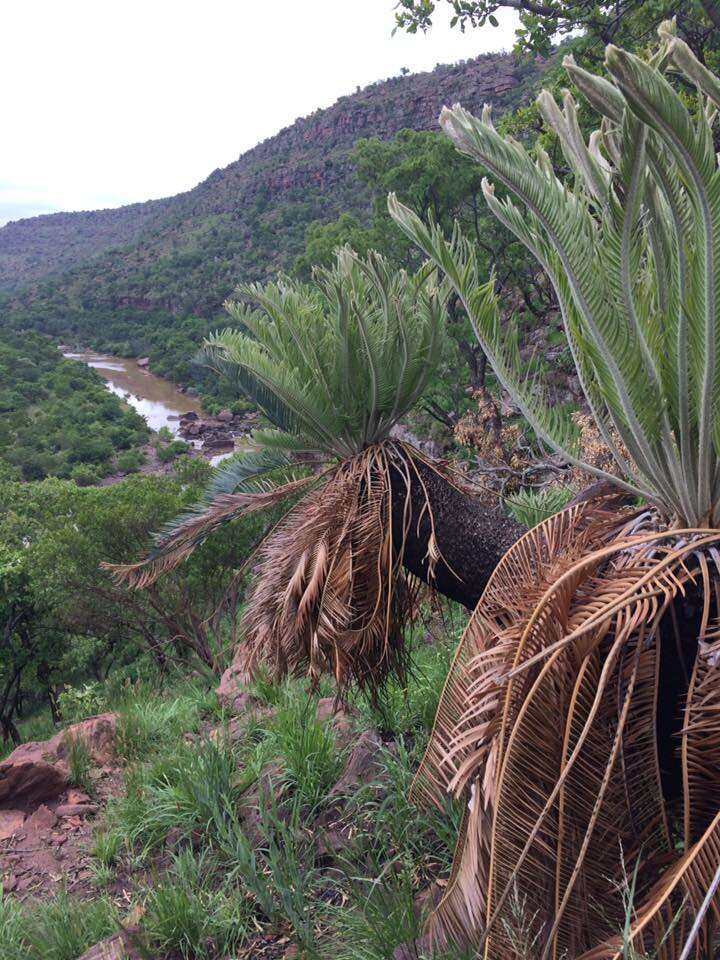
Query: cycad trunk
x: 471, y: 536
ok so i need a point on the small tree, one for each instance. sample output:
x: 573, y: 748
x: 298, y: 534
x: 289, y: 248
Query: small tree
x: 333, y: 367
x: 581, y: 712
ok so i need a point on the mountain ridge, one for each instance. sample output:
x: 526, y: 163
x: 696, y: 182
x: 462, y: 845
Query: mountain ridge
x: 150, y: 279
x: 36, y: 247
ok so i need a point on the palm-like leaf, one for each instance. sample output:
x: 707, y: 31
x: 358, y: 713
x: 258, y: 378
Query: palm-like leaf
x: 633, y: 251
x: 335, y: 365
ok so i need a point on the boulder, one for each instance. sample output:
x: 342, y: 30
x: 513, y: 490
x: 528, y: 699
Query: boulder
x: 76, y: 809
x: 232, y: 693
x: 363, y: 766
x: 341, y: 717
x: 42, y: 820
x: 143, y: 362
x: 11, y: 822
x: 114, y: 948
x: 218, y: 443
x: 189, y: 417
x: 225, y: 416
x: 37, y: 771
x: 97, y: 733
x: 28, y: 777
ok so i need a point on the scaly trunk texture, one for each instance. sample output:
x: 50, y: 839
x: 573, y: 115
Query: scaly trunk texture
x: 471, y: 536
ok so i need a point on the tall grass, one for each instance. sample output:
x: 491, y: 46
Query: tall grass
x: 183, y: 789
x: 80, y: 763
x: 308, y: 752
x: 187, y: 914
x: 60, y: 929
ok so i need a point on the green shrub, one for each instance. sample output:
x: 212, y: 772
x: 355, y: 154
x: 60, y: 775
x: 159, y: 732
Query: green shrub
x: 172, y: 450
x: 78, y: 703
x: 130, y: 461
x: 84, y: 475
x: 531, y: 507
x: 192, y: 470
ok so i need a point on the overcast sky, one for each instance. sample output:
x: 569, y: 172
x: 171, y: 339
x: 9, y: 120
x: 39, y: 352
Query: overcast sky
x: 107, y: 102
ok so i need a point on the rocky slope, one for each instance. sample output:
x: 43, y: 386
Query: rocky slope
x: 185, y: 254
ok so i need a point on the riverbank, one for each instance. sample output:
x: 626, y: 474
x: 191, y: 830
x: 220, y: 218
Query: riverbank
x: 169, y: 411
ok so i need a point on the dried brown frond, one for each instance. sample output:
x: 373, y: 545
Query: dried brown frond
x: 330, y: 594
x: 548, y: 728
x: 172, y: 550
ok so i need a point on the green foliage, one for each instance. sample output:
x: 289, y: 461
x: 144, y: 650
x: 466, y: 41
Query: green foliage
x: 56, y: 417
x: 632, y: 251
x: 170, y: 451
x: 130, y: 461
x: 531, y: 507
x: 148, y: 722
x: 187, y: 915
x: 309, y: 754
x: 598, y: 23
x: 61, y: 929
x: 186, y: 790
x: 334, y: 366
x: 71, y: 623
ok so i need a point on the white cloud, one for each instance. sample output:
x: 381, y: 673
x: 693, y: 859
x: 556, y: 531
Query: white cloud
x: 123, y: 100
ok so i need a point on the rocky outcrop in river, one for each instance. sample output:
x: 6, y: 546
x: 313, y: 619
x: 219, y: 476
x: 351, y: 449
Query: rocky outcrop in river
x: 218, y: 433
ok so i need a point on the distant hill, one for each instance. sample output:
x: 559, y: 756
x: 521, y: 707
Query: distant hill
x: 120, y: 279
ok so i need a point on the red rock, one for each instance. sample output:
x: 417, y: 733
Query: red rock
x: 41, y: 820
x: 341, y: 717
x: 35, y: 772
x: 77, y: 796
x: 76, y: 809
x: 98, y: 734
x: 111, y: 949
x: 28, y: 777
x: 10, y: 822
x: 363, y: 765
x: 232, y: 693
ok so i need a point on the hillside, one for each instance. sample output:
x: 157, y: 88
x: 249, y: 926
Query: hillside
x: 38, y: 246
x: 118, y: 279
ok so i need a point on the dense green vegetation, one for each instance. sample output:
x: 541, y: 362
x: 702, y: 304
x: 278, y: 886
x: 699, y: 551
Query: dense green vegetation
x: 262, y: 826
x: 56, y: 416
x: 62, y: 619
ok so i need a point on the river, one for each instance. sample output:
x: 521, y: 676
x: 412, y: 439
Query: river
x: 159, y: 401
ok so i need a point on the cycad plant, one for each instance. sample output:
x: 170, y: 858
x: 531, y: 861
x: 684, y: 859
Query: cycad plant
x: 581, y: 717
x: 333, y: 367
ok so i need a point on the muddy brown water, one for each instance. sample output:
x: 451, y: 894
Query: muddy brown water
x: 159, y: 401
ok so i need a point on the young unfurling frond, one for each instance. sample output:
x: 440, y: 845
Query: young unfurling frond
x: 632, y: 247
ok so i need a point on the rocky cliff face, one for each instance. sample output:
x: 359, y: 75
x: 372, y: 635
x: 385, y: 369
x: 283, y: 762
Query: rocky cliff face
x: 184, y: 255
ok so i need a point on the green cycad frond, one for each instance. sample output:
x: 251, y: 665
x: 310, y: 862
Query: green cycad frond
x: 632, y: 248
x: 335, y: 365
